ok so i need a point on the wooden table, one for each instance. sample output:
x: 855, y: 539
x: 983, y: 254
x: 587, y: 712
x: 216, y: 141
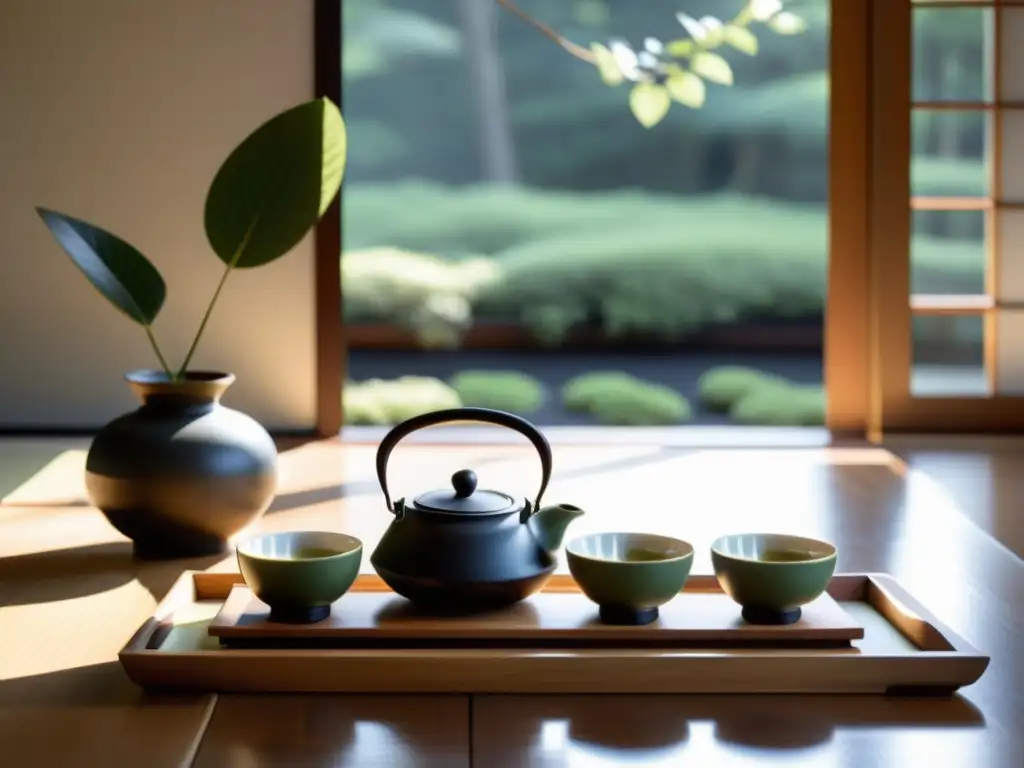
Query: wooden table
x: 71, y: 595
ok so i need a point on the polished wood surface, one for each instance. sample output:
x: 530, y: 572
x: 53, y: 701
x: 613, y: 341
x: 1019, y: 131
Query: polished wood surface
x: 791, y: 731
x: 983, y: 477
x: 372, y: 731
x: 71, y: 596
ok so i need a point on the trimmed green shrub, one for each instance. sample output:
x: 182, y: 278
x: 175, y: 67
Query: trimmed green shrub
x: 428, y: 295
x: 618, y: 399
x: 778, y: 405
x: 754, y: 397
x: 381, y: 402
x: 629, y: 262
x: 669, y: 279
x: 482, y: 218
x: 502, y: 390
x: 580, y: 392
x: 720, y: 388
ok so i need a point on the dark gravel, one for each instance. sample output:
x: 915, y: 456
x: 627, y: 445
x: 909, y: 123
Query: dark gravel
x: 680, y: 371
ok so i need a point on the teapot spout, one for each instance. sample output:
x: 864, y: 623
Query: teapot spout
x: 549, y: 523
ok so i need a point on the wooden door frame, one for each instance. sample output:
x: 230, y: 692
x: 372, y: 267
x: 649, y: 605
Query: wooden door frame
x: 330, y: 330
x: 892, y: 406
x: 847, y: 359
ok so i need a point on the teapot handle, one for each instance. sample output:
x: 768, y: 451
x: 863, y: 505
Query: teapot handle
x: 485, y: 415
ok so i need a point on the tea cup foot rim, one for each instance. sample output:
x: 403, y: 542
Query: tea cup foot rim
x: 624, y: 615
x: 753, y: 614
x: 291, y: 615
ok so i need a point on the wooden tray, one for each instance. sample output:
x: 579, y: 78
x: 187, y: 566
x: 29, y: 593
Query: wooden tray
x: 371, y: 615
x: 904, y: 649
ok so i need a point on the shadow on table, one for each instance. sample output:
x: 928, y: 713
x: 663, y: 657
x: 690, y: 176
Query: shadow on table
x: 371, y: 487
x: 21, y: 460
x: 93, y: 685
x: 94, y: 715
x: 349, y: 489
x: 66, y: 574
x: 657, y: 722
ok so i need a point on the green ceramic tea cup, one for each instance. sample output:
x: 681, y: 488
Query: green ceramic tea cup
x: 629, y: 575
x: 772, y: 574
x: 299, y: 574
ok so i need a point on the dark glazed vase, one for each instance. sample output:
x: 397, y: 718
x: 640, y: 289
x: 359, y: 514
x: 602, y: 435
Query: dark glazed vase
x: 181, y: 474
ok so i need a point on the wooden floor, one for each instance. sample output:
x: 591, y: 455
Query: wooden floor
x: 946, y: 520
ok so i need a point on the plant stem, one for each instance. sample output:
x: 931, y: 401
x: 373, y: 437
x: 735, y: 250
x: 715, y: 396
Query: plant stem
x: 235, y: 258
x: 567, y: 45
x: 742, y: 19
x: 159, y: 354
x: 206, y: 317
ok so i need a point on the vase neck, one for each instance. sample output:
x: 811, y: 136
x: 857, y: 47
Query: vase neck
x: 195, y: 389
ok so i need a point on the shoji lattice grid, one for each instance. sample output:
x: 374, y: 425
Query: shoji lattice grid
x: 962, y: 98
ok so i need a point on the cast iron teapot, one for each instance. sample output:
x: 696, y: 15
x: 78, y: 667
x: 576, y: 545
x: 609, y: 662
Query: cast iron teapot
x: 464, y: 549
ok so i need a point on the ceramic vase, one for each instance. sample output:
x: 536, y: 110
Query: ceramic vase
x: 182, y: 473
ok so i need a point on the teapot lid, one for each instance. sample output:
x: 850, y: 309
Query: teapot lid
x: 464, y: 498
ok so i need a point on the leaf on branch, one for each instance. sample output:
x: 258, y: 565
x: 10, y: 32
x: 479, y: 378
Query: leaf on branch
x: 712, y: 32
x: 686, y: 88
x: 115, y: 268
x: 649, y: 103
x: 741, y: 39
x: 787, y: 24
x: 627, y: 60
x: 607, y: 65
x: 712, y: 67
x: 691, y: 25
x: 680, y: 49
x: 762, y: 10
x: 707, y: 31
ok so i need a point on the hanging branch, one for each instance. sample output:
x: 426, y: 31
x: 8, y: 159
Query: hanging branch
x: 567, y: 45
x: 661, y: 73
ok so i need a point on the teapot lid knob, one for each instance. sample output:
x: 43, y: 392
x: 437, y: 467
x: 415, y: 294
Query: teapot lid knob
x: 464, y: 483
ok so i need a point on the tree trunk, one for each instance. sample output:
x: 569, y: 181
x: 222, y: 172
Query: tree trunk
x: 487, y: 84
x: 746, y: 166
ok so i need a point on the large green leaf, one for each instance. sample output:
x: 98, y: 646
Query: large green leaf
x: 276, y: 184
x: 116, y: 268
